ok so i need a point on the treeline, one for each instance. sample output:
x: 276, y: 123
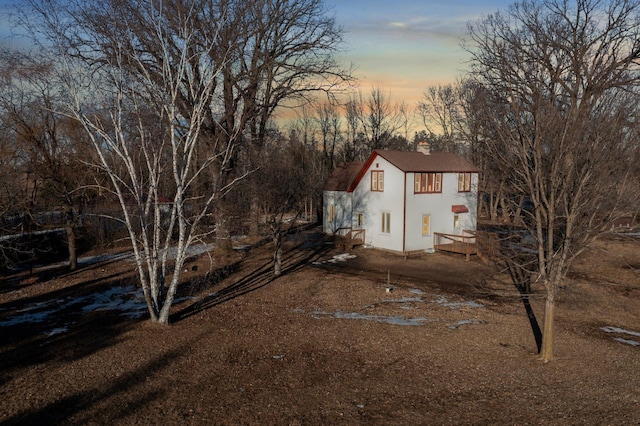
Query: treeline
x: 167, y: 118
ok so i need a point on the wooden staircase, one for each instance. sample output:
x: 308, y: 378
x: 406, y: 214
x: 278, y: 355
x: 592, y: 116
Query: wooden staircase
x: 348, y: 238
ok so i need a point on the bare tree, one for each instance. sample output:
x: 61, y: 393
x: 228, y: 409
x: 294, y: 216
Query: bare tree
x: 291, y: 174
x: 372, y: 123
x: 382, y: 119
x: 47, y: 140
x: 474, y: 104
x: 145, y: 115
x: 440, y: 112
x: 283, y: 54
x: 328, y: 121
x: 562, y: 78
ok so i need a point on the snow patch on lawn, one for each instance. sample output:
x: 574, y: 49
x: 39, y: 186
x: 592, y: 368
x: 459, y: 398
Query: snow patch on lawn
x: 129, y: 301
x: 393, y: 320
x: 441, y: 300
x: 338, y: 258
x: 464, y: 322
x: 617, y: 330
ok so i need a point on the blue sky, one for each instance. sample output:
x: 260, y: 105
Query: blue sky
x: 402, y: 46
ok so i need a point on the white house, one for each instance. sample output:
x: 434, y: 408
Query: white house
x: 402, y: 198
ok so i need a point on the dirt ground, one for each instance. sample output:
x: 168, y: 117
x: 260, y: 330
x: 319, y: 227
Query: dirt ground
x: 373, y: 339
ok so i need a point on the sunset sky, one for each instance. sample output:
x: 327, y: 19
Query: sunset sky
x: 404, y: 46
x: 401, y: 46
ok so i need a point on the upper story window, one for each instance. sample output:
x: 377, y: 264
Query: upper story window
x: 464, y: 182
x: 377, y: 180
x: 428, y: 182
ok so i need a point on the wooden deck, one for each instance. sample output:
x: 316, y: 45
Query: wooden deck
x: 348, y: 238
x: 462, y: 244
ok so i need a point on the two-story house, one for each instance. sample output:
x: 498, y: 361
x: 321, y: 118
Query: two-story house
x: 401, y: 198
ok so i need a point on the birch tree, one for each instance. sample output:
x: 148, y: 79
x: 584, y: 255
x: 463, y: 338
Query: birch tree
x: 144, y: 114
x: 562, y: 93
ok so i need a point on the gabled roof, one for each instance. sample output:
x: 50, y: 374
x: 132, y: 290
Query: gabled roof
x: 412, y: 161
x: 347, y: 176
x: 343, y: 176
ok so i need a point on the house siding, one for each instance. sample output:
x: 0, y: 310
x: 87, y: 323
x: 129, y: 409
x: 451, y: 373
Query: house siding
x: 342, y: 205
x: 438, y: 207
x: 372, y: 204
x: 352, y: 197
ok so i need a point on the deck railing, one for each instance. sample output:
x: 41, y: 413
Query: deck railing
x: 347, y: 238
x: 463, y: 244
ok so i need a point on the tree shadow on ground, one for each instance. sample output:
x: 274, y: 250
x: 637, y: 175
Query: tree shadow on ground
x: 295, y: 259
x: 73, y: 405
x: 23, y: 279
x: 57, y: 325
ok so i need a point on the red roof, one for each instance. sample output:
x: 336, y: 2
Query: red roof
x: 412, y: 161
x: 459, y: 208
x: 343, y: 176
x: 347, y: 176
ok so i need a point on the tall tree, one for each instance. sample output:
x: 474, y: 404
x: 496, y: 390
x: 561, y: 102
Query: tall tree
x: 144, y: 98
x: 328, y: 120
x: 292, y: 173
x: 48, y: 140
x: 562, y: 96
x: 440, y: 112
x: 372, y: 123
x: 288, y: 57
x: 272, y: 53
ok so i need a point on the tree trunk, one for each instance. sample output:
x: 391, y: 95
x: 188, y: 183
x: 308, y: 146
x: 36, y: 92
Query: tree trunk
x: 254, y: 217
x: 546, y: 353
x: 223, y: 236
x: 71, y: 239
x: 277, y: 253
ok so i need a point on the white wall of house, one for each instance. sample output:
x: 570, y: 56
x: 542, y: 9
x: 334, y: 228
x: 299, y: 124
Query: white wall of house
x: 438, y: 207
x: 367, y: 209
x: 341, y: 203
x: 373, y: 204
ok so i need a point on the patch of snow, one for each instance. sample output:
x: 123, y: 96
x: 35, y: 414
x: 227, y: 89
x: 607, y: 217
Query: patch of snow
x: 620, y: 330
x: 25, y: 234
x: 404, y: 300
x: 129, y: 301
x: 58, y: 330
x: 626, y: 341
x: 337, y: 258
x: 463, y: 322
x: 441, y: 300
x: 26, y: 316
x: 416, y: 291
x: 193, y: 250
x: 393, y: 320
